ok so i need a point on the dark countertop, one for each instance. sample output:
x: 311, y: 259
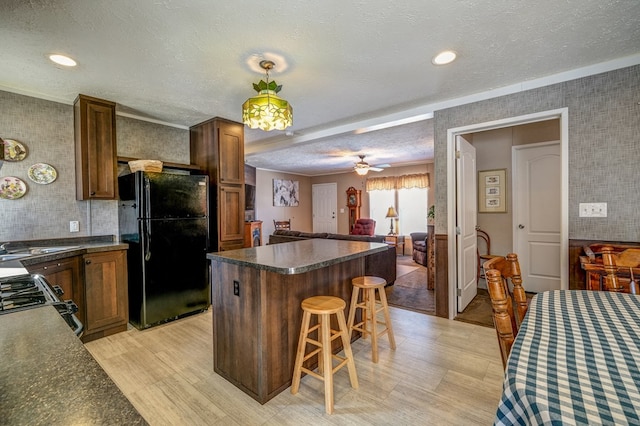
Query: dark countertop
x: 85, y: 245
x: 298, y: 257
x: 47, y: 377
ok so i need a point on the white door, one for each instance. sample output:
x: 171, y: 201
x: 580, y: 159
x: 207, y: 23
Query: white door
x: 324, y: 201
x: 466, y: 240
x: 537, y: 214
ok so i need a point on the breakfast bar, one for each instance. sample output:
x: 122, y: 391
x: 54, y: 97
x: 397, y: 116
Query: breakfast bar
x: 256, y: 296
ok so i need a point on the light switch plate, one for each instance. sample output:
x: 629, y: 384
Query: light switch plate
x: 74, y: 226
x: 593, y: 209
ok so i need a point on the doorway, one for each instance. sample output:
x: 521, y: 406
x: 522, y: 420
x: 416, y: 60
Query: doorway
x: 536, y: 214
x: 455, y: 281
x: 324, y: 206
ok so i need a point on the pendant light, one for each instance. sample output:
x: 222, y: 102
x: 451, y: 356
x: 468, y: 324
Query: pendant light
x: 266, y: 110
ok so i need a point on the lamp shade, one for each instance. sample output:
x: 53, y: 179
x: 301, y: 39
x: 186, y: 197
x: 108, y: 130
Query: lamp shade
x: 267, y: 111
x: 391, y: 212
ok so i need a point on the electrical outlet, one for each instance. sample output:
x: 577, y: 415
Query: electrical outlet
x: 593, y: 210
x: 74, y: 226
x: 236, y: 288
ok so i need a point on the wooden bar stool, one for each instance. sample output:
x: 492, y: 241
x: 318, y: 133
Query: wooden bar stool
x: 370, y: 308
x: 324, y: 307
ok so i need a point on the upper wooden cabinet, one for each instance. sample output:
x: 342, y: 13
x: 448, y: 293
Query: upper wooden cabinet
x: 217, y: 147
x: 95, y: 141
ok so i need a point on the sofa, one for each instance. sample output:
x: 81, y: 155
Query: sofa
x: 381, y: 264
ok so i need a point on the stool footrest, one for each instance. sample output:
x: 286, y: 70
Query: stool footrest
x: 342, y: 363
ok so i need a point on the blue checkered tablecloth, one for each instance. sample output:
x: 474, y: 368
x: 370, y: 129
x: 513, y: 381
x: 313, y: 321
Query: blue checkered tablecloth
x: 575, y: 361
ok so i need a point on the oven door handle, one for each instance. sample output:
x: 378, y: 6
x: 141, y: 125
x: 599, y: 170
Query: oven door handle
x: 69, y: 308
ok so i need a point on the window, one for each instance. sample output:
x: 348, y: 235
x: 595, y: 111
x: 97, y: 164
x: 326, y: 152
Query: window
x: 411, y: 206
x: 379, y: 203
x: 408, y: 194
x: 412, y: 209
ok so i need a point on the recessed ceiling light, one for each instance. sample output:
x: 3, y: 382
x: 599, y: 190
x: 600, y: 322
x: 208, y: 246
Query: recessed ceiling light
x: 444, y: 58
x: 63, y: 60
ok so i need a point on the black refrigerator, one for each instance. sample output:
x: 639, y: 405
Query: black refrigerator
x: 164, y: 219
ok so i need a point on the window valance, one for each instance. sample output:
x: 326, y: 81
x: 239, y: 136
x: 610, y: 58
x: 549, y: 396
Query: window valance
x: 386, y: 183
x: 418, y: 180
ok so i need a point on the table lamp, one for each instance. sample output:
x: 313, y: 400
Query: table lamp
x: 391, y: 214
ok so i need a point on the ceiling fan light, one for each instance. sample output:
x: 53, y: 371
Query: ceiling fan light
x: 361, y: 167
x: 362, y: 171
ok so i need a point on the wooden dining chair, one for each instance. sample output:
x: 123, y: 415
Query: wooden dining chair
x: 483, y: 240
x: 282, y: 225
x: 500, y: 272
x: 614, y: 263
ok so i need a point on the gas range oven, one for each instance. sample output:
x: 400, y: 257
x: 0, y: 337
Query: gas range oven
x: 29, y: 291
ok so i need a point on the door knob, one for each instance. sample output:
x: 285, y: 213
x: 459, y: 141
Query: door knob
x: 521, y: 226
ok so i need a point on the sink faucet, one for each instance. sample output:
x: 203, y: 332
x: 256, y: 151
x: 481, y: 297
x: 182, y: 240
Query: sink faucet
x: 3, y: 249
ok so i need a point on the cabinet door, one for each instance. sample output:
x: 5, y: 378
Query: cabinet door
x: 96, y: 158
x: 231, y: 211
x: 106, y: 296
x: 67, y: 274
x: 231, y: 153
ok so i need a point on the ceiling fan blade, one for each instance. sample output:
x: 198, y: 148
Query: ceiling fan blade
x: 376, y: 169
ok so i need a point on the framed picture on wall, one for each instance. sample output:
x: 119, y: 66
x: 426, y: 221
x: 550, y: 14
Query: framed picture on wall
x: 285, y: 193
x: 492, y: 191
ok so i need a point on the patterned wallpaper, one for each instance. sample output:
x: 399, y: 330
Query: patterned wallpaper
x: 46, y: 129
x: 604, y: 146
x: 604, y: 153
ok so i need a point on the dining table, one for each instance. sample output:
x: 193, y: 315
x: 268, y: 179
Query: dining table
x: 575, y: 361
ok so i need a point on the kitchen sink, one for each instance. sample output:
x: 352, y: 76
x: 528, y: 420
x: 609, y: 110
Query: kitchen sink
x: 6, y: 257
x: 32, y: 251
x: 47, y: 250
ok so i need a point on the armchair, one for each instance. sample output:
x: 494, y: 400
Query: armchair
x: 419, y: 242
x: 424, y: 253
x: 364, y: 227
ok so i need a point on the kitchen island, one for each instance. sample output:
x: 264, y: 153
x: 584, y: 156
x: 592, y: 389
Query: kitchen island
x: 256, y: 296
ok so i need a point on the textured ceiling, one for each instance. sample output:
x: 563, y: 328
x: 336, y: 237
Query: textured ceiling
x: 344, y: 65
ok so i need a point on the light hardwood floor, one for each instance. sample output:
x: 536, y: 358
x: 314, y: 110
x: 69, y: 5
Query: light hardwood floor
x: 442, y: 372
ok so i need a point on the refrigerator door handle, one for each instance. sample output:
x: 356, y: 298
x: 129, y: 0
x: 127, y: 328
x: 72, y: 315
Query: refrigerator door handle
x: 147, y: 197
x: 147, y: 240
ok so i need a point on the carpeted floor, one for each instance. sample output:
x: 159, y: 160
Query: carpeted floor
x: 410, y: 288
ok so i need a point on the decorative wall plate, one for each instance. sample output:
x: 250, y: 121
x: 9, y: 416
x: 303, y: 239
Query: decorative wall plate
x: 12, y: 188
x: 42, y: 173
x: 14, y: 150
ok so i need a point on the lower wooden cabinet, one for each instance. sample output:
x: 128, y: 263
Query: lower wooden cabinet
x: 97, y: 283
x: 67, y: 274
x: 106, y: 294
x: 252, y: 234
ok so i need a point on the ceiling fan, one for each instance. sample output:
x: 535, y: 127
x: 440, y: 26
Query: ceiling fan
x: 362, y: 167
